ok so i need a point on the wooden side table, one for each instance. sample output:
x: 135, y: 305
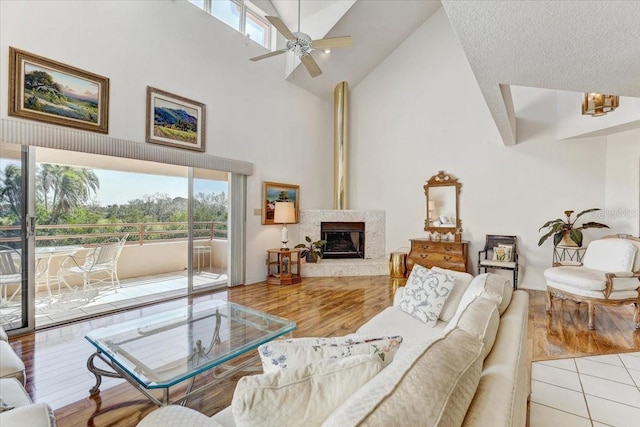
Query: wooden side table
x: 283, y: 266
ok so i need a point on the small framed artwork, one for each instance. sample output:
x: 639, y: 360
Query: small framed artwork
x: 273, y: 192
x: 174, y: 120
x: 52, y: 92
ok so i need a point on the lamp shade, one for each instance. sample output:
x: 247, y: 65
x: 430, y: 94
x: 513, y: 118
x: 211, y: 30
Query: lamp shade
x: 284, y: 213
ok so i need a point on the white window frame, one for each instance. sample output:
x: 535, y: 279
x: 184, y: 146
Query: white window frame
x: 248, y: 8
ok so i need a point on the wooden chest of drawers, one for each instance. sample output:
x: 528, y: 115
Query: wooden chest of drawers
x: 429, y: 253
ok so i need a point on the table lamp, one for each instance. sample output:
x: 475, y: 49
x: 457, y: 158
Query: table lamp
x: 284, y: 213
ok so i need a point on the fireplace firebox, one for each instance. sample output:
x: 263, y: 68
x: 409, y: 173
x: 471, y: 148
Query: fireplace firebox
x: 344, y: 239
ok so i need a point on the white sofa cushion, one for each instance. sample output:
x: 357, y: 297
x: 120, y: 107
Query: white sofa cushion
x: 12, y: 393
x: 491, y: 286
x: 460, y: 285
x: 175, y: 415
x: 432, y: 384
x: 611, y: 255
x: 283, y: 397
x: 34, y: 415
x: 10, y: 364
x: 581, y: 277
x: 297, y: 352
x: 425, y: 294
x: 3, y: 335
x: 481, y: 319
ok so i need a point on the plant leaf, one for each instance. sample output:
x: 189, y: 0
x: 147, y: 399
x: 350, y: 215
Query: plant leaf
x: 300, y: 245
x: 576, y: 236
x: 548, y: 223
x: 545, y: 237
x: 592, y: 224
x: 557, y: 238
x: 308, y: 239
x: 586, y: 212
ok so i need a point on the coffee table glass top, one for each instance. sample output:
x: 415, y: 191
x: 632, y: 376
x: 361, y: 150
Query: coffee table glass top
x: 164, y: 349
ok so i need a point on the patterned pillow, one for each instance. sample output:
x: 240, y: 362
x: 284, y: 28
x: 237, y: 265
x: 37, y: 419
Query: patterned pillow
x: 425, y: 294
x: 297, y: 352
x: 502, y: 253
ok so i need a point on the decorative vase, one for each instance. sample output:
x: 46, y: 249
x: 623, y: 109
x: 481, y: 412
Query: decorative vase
x: 566, y: 240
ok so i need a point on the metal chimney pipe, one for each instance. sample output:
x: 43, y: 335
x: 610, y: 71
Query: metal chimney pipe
x: 340, y: 145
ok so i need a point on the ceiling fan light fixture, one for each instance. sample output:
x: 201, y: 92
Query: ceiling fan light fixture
x: 301, y: 45
x: 598, y: 104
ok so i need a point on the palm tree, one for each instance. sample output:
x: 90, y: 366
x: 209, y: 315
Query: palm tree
x: 11, y: 188
x: 62, y: 188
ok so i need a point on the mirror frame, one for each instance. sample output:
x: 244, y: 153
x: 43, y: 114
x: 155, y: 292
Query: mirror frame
x: 443, y: 179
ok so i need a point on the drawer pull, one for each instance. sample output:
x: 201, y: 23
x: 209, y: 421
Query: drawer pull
x: 447, y: 258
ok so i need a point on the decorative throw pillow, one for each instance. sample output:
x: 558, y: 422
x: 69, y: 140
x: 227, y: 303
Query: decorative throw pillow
x: 303, y: 396
x: 424, y: 295
x: 502, y: 253
x: 297, y: 352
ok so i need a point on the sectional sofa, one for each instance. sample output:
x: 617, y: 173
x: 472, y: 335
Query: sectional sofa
x: 469, y: 369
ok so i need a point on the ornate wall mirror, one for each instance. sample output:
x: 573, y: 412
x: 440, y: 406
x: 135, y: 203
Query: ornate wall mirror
x: 443, y: 200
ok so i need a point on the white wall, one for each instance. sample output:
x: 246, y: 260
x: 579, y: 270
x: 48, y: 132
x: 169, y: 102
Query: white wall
x: 623, y: 182
x: 253, y: 114
x: 421, y: 111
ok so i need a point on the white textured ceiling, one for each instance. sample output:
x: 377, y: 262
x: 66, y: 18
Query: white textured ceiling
x: 581, y: 46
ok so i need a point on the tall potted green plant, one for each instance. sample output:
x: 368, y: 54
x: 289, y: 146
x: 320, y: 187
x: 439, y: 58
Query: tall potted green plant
x: 313, y: 250
x: 565, y: 231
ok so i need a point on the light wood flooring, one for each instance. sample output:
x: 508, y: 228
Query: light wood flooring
x: 56, y: 358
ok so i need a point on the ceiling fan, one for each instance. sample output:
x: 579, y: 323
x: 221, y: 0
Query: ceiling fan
x: 301, y: 44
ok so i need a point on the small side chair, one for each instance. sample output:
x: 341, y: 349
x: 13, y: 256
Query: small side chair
x: 500, y: 252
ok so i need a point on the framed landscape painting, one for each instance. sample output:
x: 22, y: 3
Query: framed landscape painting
x: 273, y: 192
x: 174, y: 120
x: 52, y: 92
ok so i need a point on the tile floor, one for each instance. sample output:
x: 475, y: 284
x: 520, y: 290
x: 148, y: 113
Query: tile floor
x: 588, y: 391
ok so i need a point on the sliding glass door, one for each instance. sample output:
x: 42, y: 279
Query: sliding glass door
x: 14, y: 239
x: 163, y: 226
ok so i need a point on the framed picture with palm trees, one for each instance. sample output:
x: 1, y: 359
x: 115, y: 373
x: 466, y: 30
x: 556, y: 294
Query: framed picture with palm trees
x: 273, y: 192
x: 49, y: 91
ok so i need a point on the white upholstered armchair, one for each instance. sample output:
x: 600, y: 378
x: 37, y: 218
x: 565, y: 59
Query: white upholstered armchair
x: 609, y: 275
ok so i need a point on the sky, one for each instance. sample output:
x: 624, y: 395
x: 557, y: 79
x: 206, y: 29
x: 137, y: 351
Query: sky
x: 121, y: 187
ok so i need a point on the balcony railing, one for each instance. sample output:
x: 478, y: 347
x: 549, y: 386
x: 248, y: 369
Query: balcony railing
x: 144, y: 232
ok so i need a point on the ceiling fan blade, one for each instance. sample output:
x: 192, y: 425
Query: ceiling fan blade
x: 268, y: 55
x: 311, y: 65
x: 281, y: 27
x: 332, y: 42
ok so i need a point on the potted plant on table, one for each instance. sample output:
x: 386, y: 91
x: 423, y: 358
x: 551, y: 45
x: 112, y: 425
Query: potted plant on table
x: 565, y: 231
x: 312, y: 250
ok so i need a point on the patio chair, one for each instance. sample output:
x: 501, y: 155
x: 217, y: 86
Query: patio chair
x: 100, y: 261
x: 10, y: 273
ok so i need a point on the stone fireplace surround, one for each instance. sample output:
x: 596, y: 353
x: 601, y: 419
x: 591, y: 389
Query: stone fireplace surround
x: 375, y: 263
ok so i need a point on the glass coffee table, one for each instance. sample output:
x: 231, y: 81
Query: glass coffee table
x: 165, y: 349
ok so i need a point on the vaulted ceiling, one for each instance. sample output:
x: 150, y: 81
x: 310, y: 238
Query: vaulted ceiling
x: 579, y: 46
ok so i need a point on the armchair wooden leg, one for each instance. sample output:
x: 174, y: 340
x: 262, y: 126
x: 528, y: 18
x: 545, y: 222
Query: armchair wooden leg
x: 548, y: 304
x: 591, y: 308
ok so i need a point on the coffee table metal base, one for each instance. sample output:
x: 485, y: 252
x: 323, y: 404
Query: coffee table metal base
x: 220, y: 373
